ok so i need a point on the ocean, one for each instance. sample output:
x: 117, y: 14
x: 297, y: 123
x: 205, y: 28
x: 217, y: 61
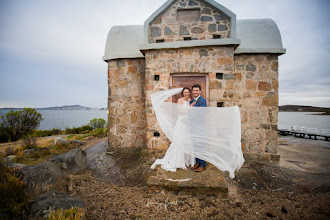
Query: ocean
x: 61, y: 119
x: 75, y: 118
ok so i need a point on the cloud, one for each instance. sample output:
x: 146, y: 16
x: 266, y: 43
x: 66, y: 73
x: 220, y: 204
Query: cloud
x: 50, y: 49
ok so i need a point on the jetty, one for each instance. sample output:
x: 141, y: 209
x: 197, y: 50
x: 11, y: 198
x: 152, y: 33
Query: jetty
x: 303, y: 132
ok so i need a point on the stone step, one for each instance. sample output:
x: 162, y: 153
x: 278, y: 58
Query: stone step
x: 210, y: 182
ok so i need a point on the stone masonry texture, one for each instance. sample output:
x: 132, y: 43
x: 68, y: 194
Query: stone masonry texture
x: 126, y: 103
x: 169, y: 28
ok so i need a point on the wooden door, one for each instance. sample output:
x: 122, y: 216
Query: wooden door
x: 178, y: 81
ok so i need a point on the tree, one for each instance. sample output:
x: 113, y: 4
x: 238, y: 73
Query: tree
x: 97, y: 123
x: 20, y: 123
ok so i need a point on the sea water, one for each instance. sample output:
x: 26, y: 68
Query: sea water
x: 75, y: 118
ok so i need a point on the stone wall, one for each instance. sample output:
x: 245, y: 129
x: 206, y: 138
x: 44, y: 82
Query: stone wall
x: 126, y: 103
x: 249, y: 81
x: 208, y: 61
x: 177, y: 22
x: 257, y: 88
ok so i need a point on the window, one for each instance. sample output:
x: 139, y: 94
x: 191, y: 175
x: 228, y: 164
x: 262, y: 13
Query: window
x: 187, y: 38
x: 219, y: 75
x: 160, y: 41
x: 216, y: 36
x: 188, y: 15
x: 156, y: 77
x: 156, y: 134
x: 220, y: 104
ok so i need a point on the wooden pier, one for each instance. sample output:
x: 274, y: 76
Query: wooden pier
x: 303, y: 132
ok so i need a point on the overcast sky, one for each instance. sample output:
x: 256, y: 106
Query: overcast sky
x: 51, y: 51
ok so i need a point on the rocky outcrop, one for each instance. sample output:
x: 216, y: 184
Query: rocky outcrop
x: 72, y: 162
x: 123, y: 167
x: 44, y: 203
x: 43, y: 177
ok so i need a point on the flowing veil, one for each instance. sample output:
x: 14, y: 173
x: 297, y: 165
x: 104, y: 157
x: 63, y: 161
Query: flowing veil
x: 210, y: 133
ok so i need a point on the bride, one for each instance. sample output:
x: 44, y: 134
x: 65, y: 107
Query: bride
x: 210, y: 133
x: 175, y: 157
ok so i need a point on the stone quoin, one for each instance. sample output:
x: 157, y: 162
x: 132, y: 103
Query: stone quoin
x: 187, y: 41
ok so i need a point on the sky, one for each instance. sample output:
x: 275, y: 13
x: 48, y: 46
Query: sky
x: 51, y: 51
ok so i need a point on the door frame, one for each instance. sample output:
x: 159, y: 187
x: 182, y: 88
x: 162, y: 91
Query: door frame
x: 193, y: 74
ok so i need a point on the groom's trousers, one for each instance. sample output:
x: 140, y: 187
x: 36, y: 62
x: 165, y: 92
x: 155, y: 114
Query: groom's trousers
x: 202, y: 163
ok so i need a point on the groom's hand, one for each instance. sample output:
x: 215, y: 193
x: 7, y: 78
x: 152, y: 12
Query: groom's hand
x: 193, y: 103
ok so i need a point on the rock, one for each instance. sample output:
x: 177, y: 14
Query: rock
x: 271, y: 99
x: 42, y: 178
x: 121, y: 166
x: 73, y: 161
x: 215, y: 85
x: 61, y: 141
x: 30, y: 152
x: 206, y: 11
x: 197, y: 30
x: 155, y: 32
x: 192, y: 3
x: 203, y: 52
x: 121, y: 63
x: 264, y: 86
x: 10, y: 158
x: 222, y: 27
x: 168, y: 31
x: 44, y: 203
x: 251, y: 67
x: 16, y: 165
x: 212, y: 28
x: 76, y: 142
x: 219, y: 17
x: 206, y: 18
x: 228, y: 76
x: 183, y: 30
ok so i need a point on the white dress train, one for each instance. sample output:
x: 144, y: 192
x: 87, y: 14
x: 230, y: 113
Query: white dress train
x: 209, y: 133
x: 175, y: 157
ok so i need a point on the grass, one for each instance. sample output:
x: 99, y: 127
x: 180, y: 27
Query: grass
x: 43, y: 152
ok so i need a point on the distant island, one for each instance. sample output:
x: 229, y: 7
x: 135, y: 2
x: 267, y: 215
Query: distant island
x: 65, y: 107
x: 301, y: 108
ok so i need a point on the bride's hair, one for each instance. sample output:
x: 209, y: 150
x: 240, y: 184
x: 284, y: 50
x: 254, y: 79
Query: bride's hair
x: 185, y: 89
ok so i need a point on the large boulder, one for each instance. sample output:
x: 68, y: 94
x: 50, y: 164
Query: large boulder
x: 42, y: 205
x: 43, y: 177
x: 73, y: 161
x: 121, y: 166
x: 61, y: 141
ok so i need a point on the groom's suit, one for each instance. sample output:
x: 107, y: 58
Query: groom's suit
x: 201, y: 102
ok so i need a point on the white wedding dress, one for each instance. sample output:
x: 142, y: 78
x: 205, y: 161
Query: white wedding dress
x: 175, y: 156
x: 208, y: 133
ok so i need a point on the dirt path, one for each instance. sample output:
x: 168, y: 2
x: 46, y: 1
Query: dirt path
x: 297, y: 187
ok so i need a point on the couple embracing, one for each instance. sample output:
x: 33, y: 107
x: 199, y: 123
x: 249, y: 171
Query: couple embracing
x: 198, y: 133
x: 180, y: 153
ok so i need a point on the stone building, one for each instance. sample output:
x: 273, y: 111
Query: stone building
x: 194, y: 41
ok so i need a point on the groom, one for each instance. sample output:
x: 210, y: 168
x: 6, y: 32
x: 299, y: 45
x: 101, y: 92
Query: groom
x: 198, y: 101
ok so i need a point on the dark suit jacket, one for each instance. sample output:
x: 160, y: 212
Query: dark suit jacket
x: 201, y: 102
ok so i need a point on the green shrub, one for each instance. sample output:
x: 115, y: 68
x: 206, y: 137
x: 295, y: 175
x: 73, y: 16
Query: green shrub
x: 13, y: 197
x: 42, y: 133
x: 100, y: 132
x: 78, y: 130
x: 20, y: 123
x: 85, y: 129
x: 56, y: 131
x: 4, y: 136
x: 97, y: 123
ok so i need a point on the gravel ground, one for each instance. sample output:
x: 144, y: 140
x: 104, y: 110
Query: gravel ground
x: 296, y: 188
